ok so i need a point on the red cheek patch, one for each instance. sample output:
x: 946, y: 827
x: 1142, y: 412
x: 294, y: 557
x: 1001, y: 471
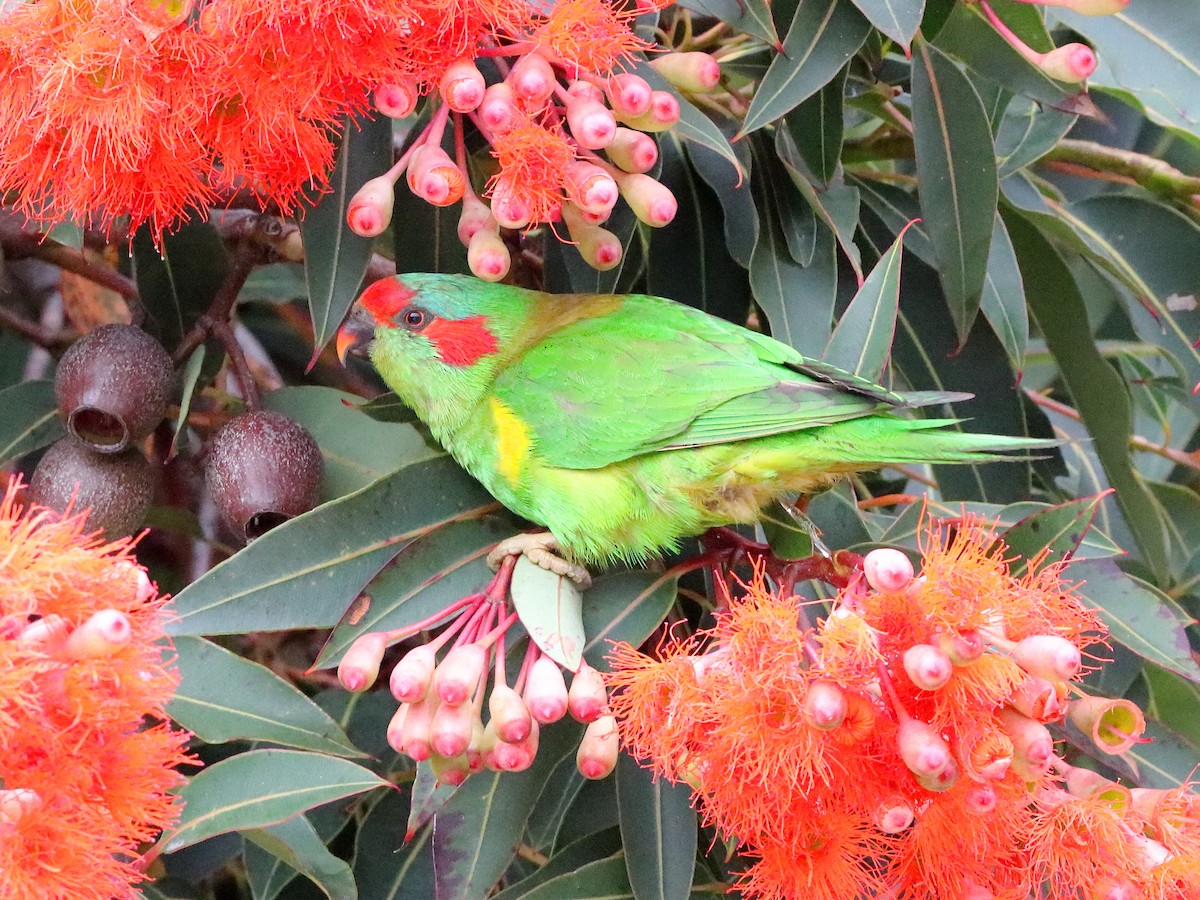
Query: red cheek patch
x: 385, y: 298
x: 461, y: 342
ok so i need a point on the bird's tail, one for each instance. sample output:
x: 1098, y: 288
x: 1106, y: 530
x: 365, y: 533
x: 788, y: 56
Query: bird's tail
x: 899, y: 441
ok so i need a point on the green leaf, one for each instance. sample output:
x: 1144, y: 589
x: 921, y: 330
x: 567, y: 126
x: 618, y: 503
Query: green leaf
x: 574, y: 858
x: 658, y: 829
x: 1138, y: 615
x: 836, y: 205
x: 1165, y: 760
x: 561, y: 790
x: 693, y: 125
x: 897, y: 210
x: 1149, y: 52
x: 601, y: 879
x: 957, y: 171
x: 566, y: 272
x: 1059, y: 530
x: 1175, y: 701
x: 624, y: 607
x: 297, y: 843
x: 1027, y: 132
x: 898, y: 19
x: 733, y: 192
x: 178, y: 286
x: 475, y: 835
x: 304, y: 573
x: 423, y: 579
x: 1003, y: 300
x: 262, y: 787
x: 385, y: 867
x: 335, y: 258
x: 1099, y: 392
x: 223, y: 697
x: 752, y: 17
x: 824, y: 34
x: 357, y: 449
x: 817, y: 125
x: 551, y: 609
x: 30, y: 419
x: 190, y: 375
x: 863, y: 337
x: 426, y: 236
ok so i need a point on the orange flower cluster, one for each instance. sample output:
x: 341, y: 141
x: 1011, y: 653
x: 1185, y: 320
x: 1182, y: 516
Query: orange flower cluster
x: 898, y: 748
x: 86, y: 759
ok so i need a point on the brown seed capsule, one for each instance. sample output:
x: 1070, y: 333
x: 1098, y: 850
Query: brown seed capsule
x: 263, y: 469
x: 116, y: 488
x: 112, y: 387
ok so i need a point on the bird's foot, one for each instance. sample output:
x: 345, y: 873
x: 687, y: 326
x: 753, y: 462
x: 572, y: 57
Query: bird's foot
x: 724, y: 549
x: 542, y: 549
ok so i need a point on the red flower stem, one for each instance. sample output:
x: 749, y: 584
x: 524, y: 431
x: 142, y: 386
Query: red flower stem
x: 885, y: 680
x: 430, y: 134
x: 457, y: 625
x: 516, y: 49
x: 460, y: 154
x: 467, y: 635
x: 531, y: 654
x: 497, y: 634
x: 400, y: 634
x: 1009, y: 35
x: 501, y: 641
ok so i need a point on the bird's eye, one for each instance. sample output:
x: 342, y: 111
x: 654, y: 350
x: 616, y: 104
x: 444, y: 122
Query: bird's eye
x: 415, y: 318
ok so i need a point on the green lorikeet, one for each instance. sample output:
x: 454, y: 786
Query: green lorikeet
x: 624, y: 424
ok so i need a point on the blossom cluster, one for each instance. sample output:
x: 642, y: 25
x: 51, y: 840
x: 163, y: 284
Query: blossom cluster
x: 899, y: 746
x: 442, y: 701
x: 86, y: 757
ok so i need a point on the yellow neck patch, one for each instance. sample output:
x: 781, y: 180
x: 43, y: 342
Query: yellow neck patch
x: 512, y: 441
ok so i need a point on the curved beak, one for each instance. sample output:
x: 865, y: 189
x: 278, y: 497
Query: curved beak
x: 355, y: 335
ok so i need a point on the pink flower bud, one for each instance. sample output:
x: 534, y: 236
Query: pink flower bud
x: 450, y: 770
x: 600, y: 248
x: 49, y: 632
x: 590, y: 187
x: 632, y: 151
x: 532, y: 79
x: 370, y: 209
x: 1085, y: 783
x: 411, y: 677
x: 694, y: 72
x: 927, y: 666
x: 1114, y: 725
x: 416, y: 730
x: 587, y: 699
x: 585, y: 90
x: 824, y: 706
x: 1071, y: 63
x: 1040, y: 699
x: 498, y: 110
x: 887, y: 569
x: 104, y: 634
x: 651, y: 201
x: 475, y: 748
x: 980, y: 799
x: 923, y: 750
x: 509, y: 209
x: 894, y: 815
x: 474, y: 216
x: 395, y: 728
x: 597, y: 754
x: 16, y: 803
x: 1048, y: 656
x: 450, y: 733
x: 509, y: 716
x: 664, y: 108
x: 961, y: 647
x: 360, y: 666
x: 457, y: 676
x: 941, y: 780
x: 546, y: 691
x: 629, y: 94
x: 434, y: 177
x: 462, y: 86
x: 1033, y: 746
x: 516, y: 757
x: 396, y: 99
x: 591, y: 123
x: 487, y: 255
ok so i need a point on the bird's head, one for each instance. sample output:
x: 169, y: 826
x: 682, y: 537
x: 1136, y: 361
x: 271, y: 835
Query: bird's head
x: 433, y: 338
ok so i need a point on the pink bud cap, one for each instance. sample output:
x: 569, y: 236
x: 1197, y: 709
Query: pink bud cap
x: 592, y: 124
x: 435, y: 177
x: 509, y: 716
x: 585, y: 90
x: 824, y: 706
x: 600, y: 249
x: 590, y: 187
x: 651, y: 201
x: 474, y: 216
x: 546, y: 691
x: 457, y: 676
x: 980, y: 799
x: 416, y: 730
x: 597, y: 754
x: 103, y: 634
x: 48, y: 631
x: 360, y: 666
x: 488, y: 256
x: 509, y: 210
x: 927, y: 667
x: 411, y: 677
x: 532, y: 79
x: 370, y: 208
x: 587, y: 699
x: 516, y: 757
x: 450, y: 733
x: 1048, y: 656
x: 941, y: 780
x: 498, y: 109
x: 961, y: 647
x: 1033, y: 745
x: 923, y: 750
x: 1071, y: 63
x: 1040, y: 699
x: 894, y: 815
x: 664, y: 108
x: 395, y: 729
x: 629, y: 94
x: 451, y: 770
x: 632, y: 151
x: 887, y: 569
x: 462, y: 86
x: 16, y: 803
x: 396, y: 99
x: 694, y: 71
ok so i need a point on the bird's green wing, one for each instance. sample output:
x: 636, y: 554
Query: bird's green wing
x: 655, y: 375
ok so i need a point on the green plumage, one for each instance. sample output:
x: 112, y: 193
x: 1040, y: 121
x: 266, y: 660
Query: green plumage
x: 624, y: 424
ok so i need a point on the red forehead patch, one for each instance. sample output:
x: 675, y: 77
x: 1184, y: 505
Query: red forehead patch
x: 385, y: 298
x: 461, y: 342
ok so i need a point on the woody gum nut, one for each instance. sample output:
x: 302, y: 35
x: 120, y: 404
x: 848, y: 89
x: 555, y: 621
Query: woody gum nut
x: 112, y: 387
x: 116, y: 488
x: 887, y: 569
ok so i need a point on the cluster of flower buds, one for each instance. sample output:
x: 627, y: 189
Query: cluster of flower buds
x: 1073, y: 62
x: 443, y: 701
x: 901, y: 744
x: 570, y: 136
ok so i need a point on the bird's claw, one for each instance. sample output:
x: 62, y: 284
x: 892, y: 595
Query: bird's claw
x: 541, y: 548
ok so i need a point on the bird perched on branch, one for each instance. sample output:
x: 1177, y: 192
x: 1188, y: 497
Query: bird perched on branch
x: 625, y: 423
